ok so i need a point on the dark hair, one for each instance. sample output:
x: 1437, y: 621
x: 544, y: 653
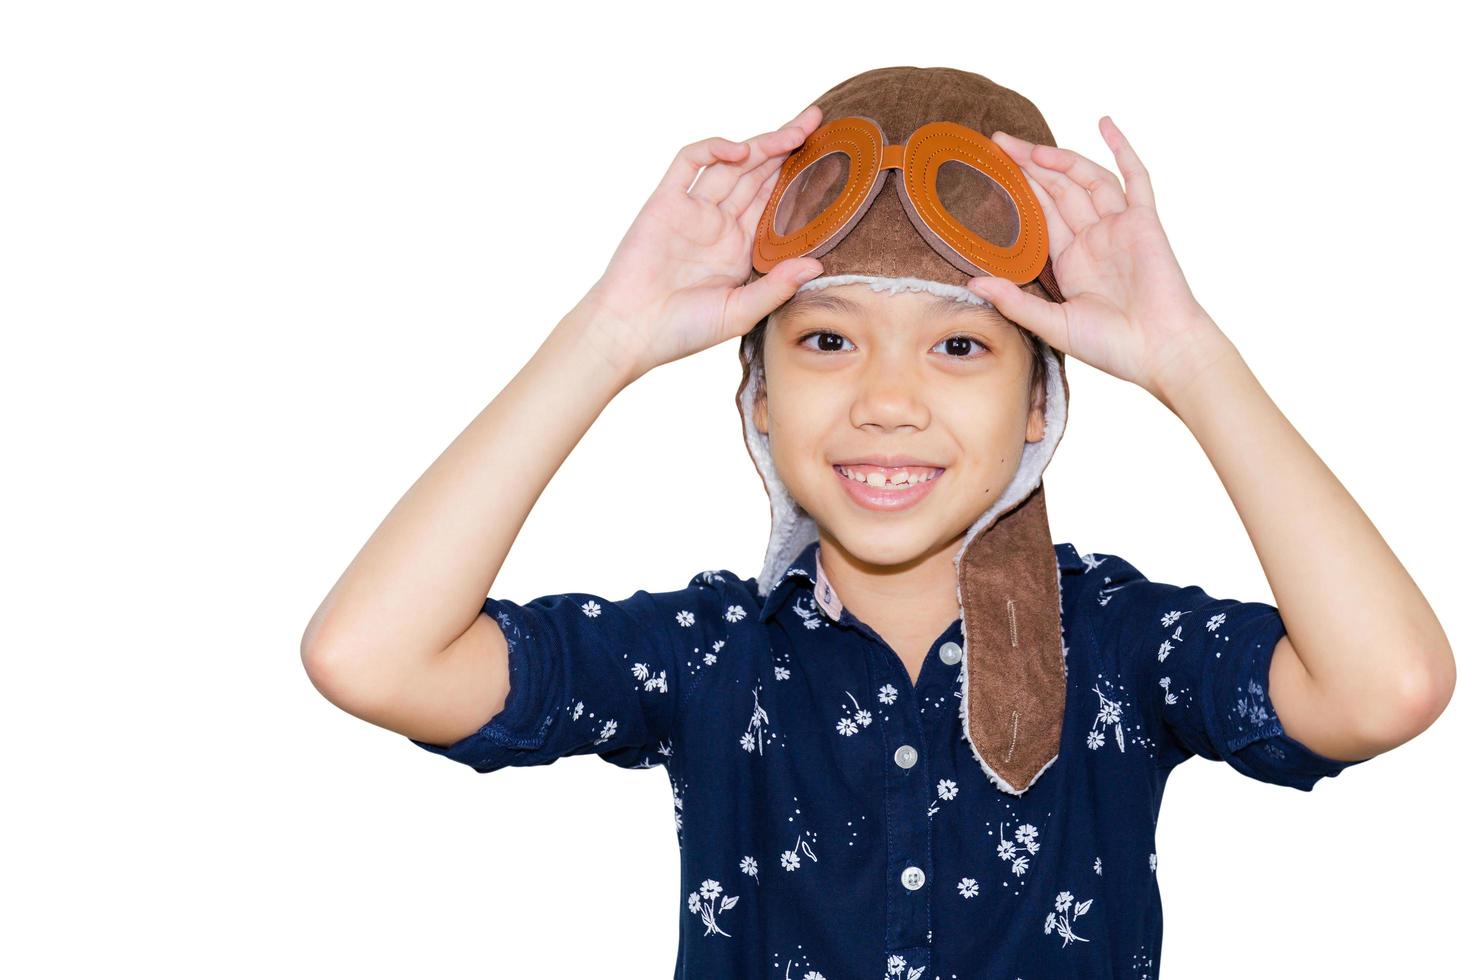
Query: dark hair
x: 753, y: 349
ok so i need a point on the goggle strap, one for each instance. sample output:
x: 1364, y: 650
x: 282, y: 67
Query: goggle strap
x: 1048, y: 280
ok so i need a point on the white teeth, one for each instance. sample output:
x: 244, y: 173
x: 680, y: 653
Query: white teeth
x: 875, y: 479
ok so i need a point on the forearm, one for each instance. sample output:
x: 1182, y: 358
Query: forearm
x: 422, y: 577
x: 1358, y: 623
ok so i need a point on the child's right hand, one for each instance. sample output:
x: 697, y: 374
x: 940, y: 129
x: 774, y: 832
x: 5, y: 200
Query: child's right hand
x: 674, y: 285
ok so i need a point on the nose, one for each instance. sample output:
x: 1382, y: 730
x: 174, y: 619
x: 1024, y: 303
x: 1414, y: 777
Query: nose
x: 890, y: 395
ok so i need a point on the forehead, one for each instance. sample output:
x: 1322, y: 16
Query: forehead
x: 858, y: 300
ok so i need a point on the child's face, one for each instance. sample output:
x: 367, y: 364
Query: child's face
x: 892, y: 380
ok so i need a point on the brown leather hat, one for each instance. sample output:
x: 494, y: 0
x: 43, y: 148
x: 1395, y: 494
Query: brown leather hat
x: 1007, y: 579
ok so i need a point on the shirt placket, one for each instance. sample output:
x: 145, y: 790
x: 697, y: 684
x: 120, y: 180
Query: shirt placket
x: 909, y: 877
x: 910, y: 867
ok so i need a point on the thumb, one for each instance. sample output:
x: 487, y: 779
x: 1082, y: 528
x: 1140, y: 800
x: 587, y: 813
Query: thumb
x: 749, y: 304
x: 1041, y: 317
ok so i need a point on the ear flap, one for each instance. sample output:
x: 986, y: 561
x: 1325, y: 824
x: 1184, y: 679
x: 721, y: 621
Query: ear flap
x: 1015, y: 672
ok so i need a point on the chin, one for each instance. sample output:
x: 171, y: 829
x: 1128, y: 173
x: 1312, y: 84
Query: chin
x: 879, y: 546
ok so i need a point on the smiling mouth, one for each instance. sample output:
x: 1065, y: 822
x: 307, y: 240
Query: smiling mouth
x: 889, y: 478
x: 887, y: 490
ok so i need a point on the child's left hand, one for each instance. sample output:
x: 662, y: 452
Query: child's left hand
x: 1128, y: 310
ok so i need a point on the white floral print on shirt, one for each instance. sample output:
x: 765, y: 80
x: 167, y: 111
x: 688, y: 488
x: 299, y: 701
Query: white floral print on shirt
x: 651, y: 682
x: 1109, y: 712
x: 753, y: 738
x: 811, y: 614
x: 678, y: 790
x: 749, y: 866
x: 808, y: 975
x: 848, y: 725
x: 702, y: 903
x: 1065, y: 917
x: 1167, y: 646
x: 1253, y: 706
x: 899, y: 967
x: 1006, y: 850
x: 947, y: 790
x: 791, y: 860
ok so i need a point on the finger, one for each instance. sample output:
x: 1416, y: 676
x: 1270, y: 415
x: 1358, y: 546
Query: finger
x: 694, y: 157
x: 806, y: 118
x: 751, y: 216
x: 1058, y: 234
x: 749, y: 304
x: 718, y: 183
x: 1042, y: 317
x: 1100, y: 182
x: 1140, y: 190
x: 1073, y: 203
x: 752, y: 184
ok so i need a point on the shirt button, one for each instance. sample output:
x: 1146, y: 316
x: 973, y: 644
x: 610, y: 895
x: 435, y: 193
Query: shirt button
x: 906, y: 756
x: 950, y: 653
x: 913, y: 878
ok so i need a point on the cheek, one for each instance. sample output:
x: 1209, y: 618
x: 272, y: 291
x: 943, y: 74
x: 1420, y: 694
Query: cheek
x: 798, y: 408
x: 995, y: 416
x: 992, y: 435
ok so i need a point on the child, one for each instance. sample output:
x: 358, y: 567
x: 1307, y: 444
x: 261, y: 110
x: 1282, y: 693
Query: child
x: 924, y: 741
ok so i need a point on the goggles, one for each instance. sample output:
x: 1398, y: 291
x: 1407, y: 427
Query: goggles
x: 979, y: 212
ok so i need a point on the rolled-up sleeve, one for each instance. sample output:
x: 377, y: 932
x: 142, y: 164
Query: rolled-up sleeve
x: 589, y: 675
x: 1201, y: 666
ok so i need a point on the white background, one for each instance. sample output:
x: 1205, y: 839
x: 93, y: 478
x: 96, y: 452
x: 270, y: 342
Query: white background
x: 260, y: 263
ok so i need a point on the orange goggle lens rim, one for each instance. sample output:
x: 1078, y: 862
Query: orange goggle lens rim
x: 917, y: 160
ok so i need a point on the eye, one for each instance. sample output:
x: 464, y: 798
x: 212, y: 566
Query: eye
x: 820, y: 333
x: 961, y: 340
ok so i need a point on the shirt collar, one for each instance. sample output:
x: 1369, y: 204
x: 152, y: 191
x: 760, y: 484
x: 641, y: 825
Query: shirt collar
x: 801, y: 573
x: 806, y: 571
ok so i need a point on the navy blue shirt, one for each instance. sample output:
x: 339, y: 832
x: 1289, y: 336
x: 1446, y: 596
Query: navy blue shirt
x: 833, y: 823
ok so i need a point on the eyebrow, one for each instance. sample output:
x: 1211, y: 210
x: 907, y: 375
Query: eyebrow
x: 946, y: 304
x: 821, y: 300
